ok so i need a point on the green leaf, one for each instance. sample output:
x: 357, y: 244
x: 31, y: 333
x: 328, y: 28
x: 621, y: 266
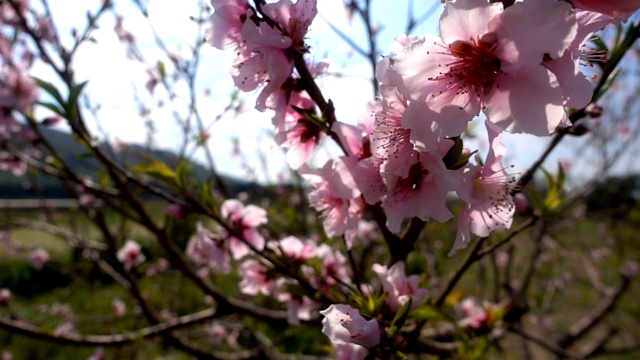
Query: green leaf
x: 182, y: 174
x: 50, y: 89
x: 399, y: 319
x: 53, y: 107
x: 158, y: 170
x: 72, y: 103
x: 427, y: 312
x: 378, y: 304
x: 161, y: 69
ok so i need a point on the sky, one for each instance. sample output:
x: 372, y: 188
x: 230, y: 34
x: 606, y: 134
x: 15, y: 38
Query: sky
x: 116, y: 81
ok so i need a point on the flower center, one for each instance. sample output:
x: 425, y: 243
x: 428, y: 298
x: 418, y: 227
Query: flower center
x: 475, y: 67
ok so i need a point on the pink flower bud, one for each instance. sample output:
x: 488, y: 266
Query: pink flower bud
x: 37, y: 258
x: 130, y: 255
x: 5, y: 296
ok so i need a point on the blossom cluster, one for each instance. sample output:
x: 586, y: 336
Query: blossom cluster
x: 516, y: 65
x: 519, y: 66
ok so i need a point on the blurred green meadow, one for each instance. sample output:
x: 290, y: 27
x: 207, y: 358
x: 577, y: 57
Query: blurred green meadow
x: 572, y: 265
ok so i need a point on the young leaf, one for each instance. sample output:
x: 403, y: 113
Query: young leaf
x: 72, y: 103
x: 399, y: 319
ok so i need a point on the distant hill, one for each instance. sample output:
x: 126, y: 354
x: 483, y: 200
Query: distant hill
x: 78, y: 158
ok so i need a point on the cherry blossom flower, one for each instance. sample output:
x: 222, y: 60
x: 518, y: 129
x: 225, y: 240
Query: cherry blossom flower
x: 12, y: 163
x: 344, y: 324
x: 349, y: 352
x: 225, y: 23
x: 298, y: 307
x: 256, y: 278
x: 488, y: 59
x: 301, y: 140
x: 295, y: 249
x: 390, y: 141
x: 334, y: 265
x: 207, y: 249
x: 118, y: 306
x: 17, y: 90
x: 422, y: 193
x: 336, y: 196
x: 399, y: 287
x: 471, y: 314
x: 38, y: 257
x: 216, y: 332
x: 244, y: 221
x: 5, y: 296
x: 486, y: 193
x: 264, y: 50
x: 130, y: 255
x: 175, y: 211
x: 620, y: 9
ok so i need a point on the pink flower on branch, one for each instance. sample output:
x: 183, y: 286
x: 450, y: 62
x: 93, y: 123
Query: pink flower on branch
x: 130, y: 255
x: 489, y: 59
x: 620, y: 9
x: 209, y: 250
x: 344, y: 324
x: 336, y: 196
x: 244, y: 221
x: 256, y: 278
x: 422, y: 192
x: 37, y: 258
x: 399, y: 287
x: 486, y: 193
x: 265, y: 39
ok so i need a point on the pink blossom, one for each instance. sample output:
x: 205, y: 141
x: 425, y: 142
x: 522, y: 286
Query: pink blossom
x: 17, y: 90
x: 12, y: 163
x: 488, y: 59
x: 224, y: 27
x: 256, y: 278
x: 422, y: 193
x: 175, y: 211
x: 216, y: 332
x: 131, y: 255
x: 264, y: 55
x: 5, y: 296
x: 344, y: 324
x: 118, y: 306
x: 298, y: 307
x: 301, y: 140
x: 620, y: 9
x: 295, y: 249
x: 38, y: 257
x: 334, y: 265
x: 486, y: 193
x: 399, y: 287
x: 471, y: 314
x: 390, y: 141
x: 207, y: 249
x: 336, y: 196
x: 9, y: 16
x: 349, y: 352
x: 244, y: 221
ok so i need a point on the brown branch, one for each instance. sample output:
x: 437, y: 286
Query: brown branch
x: 606, y: 305
x: 110, y: 340
x: 471, y: 258
x: 553, y: 348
